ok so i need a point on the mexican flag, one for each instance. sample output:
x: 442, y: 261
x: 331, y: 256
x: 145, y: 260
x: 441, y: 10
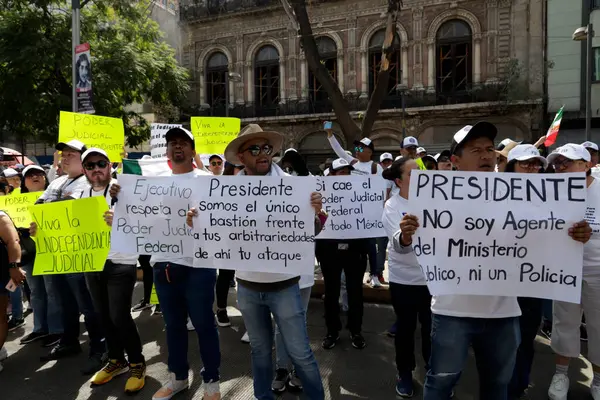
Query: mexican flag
x: 150, y: 167
x: 552, y: 133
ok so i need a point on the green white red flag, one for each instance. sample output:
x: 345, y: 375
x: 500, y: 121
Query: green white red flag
x: 552, y: 133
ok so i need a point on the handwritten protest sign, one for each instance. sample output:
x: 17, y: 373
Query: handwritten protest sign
x: 354, y: 204
x: 499, y: 234
x: 16, y: 206
x: 150, y: 215
x: 71, y: 236
x: 94, y: 131
x: 158, y: 144
x: 249, y: 223
x: 213, y: 134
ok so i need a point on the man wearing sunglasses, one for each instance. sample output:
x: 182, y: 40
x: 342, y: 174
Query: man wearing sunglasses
x: 112, y: 289
x: 215, y: 165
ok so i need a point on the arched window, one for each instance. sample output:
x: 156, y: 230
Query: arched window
x: 266, y: 77
x: 375, y: 54
x: 454, y: 59
x: 216, y: 71
x: 328, y: 53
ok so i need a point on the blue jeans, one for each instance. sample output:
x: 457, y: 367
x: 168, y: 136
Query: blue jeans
x: 288, y: 312
x: 281, y: 355
x: 16, y: 302
x: 45, y: 301
x: 181, y: 291
x: 494, y: 341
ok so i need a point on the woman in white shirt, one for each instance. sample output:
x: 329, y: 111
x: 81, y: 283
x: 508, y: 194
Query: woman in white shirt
x: 410, y: 296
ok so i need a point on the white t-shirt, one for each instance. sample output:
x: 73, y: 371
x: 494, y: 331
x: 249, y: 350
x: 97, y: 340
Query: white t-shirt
x: 596, y: 172
x: 187, y: 261
x: 403, y: 268
x: 63, y: 187
x: 395, y: 190
x: 117, y: 258
x: 365, y: 168
x: 591, y: 250
x: 471, y: 306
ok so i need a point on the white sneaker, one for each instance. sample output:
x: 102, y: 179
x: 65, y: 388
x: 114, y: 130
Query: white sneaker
x: 375, y: 281
x: 190, y: 326
x: 3, y: 354
x: 245, y: 338
x: 559, y: 388
x: 171, y: 388
x: 595, y: 392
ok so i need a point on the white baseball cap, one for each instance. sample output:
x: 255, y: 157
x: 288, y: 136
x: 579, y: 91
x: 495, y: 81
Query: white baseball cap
x: 33, y: 167
x: 93, y: 150
x: 524, y: 152
x: 72, y: 144
x: 571, y: 151
x: 10, y: 172
x: 590, y: 145
x: 385, y: 156
x: 326, y: 172
x: 366, y: 142
x: 340, y: 163
x: 480, y: 129
x: 410, y: 141
x: 421, y: 150
x: 397, y: 158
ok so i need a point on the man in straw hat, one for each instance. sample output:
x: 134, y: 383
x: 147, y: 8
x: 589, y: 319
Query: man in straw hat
x: 261, y: 294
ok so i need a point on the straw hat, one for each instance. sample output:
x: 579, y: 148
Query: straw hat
x: 507, y: 148
x: 249, y: 132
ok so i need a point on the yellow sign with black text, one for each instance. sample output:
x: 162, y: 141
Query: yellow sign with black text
x: 105, y: 133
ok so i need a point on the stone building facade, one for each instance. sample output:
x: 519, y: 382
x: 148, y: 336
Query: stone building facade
x: 457, y: 62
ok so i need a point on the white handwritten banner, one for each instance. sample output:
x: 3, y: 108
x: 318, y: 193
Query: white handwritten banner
x: 251, y: 223
x: 354, y: 204
x: 499, y: 234
x: 158, y: 144
x: 150, y: 215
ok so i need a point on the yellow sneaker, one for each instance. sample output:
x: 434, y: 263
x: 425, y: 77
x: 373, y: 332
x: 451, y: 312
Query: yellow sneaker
x: 137, y: 380
x: 112, y: 369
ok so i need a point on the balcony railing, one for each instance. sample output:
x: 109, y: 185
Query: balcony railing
x: 192, y: 10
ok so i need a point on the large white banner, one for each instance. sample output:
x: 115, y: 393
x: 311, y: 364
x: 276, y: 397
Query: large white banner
x: 499, y: 234
x: 252, y: 223
x: 354, y: 204
x: 158, y: 144
x: 150, y: 215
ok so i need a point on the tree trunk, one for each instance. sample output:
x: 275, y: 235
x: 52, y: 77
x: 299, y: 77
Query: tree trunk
x: 307, y: 40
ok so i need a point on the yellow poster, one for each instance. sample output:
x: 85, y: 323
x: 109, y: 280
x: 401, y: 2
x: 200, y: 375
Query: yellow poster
x: 16, y: 205
x: 153, y: 296
x: 94, y: 131
x: 213, y: 134
x: 71, y: 236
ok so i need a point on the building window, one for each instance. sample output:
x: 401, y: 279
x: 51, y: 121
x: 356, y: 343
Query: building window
x: 328, y: 53
x: 266, y: 77
x: 454, y: 61
x: 375, y: 57
x: 216, y: 71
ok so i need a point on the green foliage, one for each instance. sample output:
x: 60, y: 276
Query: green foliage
x: 130, y: 64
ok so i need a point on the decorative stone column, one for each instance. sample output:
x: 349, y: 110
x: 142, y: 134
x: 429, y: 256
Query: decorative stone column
x: 431, y: 65
x: 477, y: 58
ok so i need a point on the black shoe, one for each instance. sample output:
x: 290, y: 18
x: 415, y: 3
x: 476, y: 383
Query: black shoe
x: 141, y: 306
x: 546, y: 331
x: 61, y: 351
x: 281, y: 379
x: 330, y: 341
x: 94, y: 363
x: 33, y: 336
x: 51, y: 340
x: 358, y: 341
x: 15, y: 324
x: 583, y: 335
x: 223, y: 318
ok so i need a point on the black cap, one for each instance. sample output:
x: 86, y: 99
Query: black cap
x: 480, y: 129
x: 179, y: 132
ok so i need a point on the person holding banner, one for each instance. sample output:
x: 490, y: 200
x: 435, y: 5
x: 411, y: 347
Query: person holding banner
x: 183, y: 290
x: 112, y: 290
x: 410, y: 296
x: 34, y: 179
x: 13, y: 179
x: 263, y: 294
x: 565, y: 338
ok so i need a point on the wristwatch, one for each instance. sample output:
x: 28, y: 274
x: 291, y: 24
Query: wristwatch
x: 14, y: 265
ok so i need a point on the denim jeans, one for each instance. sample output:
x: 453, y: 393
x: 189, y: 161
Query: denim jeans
x: 75, y: 299
x: 45, y: 301
x: 382, y: 243
x: 288, y: 312
x: 494, y: 341
x: 16, y: 303
x: 181, y: 291
x: 281, y: 355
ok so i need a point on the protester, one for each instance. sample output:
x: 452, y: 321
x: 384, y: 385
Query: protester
x: 215, y: 164
x: 336, y: 256
x: 148, y: 280
x: 293, y: 163
x: 409, y: 147
x: 429, y: 162
x: 112, y: 288
x: 525, y: 159
x: 263, y: 294
x: 410, y: 296
x: 183, y: 290
x: 594, y: 159
x: 385, y: 160
x: 421, y: 152
x: 502, y: 153
x: 13, y: 179
x: 565, y: 339
x: 443, y: 161
x: 489, y: 323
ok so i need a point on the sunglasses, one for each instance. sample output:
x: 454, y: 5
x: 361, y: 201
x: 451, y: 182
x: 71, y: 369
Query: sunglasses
x: 216, y: 163
x: 91, y: 165
x: 359, y: 149
x: 255, y: 150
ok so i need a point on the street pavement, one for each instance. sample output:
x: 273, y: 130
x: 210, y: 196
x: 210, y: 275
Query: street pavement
x: 347, y: 373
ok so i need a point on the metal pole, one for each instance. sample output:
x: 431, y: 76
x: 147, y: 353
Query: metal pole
x: 588, y: 84
x: 403, y: 115
x: 227, y: 94
x: 75, y: 42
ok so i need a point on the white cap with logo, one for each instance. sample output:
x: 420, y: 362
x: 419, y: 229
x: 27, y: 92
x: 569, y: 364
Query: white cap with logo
x: 590, y: 145
x: 410, y: 141
x: 421, y: 150
x: 571, y: 151
x: 340, y: 163
x: 10, y: 172
x: 72, y: 144
x: 386, y: 156
x: 93, y: 150
x: 525, y: 152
